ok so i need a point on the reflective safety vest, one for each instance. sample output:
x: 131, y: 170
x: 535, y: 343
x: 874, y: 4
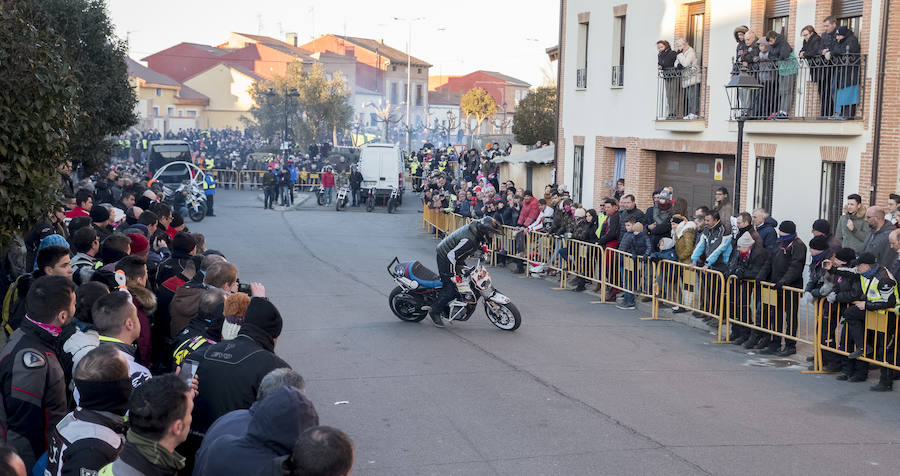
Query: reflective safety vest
x: 146, y: 144
x: 210, y: 163
x: 413, y: 167
x: 601, y: 219
x: 874, y: 293
x: 442, y: 165
x: 127, y: 143
x: 209, y: 185
x: 189, y: 346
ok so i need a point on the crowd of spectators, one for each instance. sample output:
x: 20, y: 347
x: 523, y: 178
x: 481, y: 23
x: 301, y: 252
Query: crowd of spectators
x: 130, y: 347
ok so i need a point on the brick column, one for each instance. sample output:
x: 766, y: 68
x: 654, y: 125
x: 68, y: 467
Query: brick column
x: 640, y: 172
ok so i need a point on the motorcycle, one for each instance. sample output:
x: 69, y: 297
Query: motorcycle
x: 394, y: 200
x: 320, y: 195
x: 370, y: 200
x: 418, y: 288
x: 195, y: 198
x: 343, y: 195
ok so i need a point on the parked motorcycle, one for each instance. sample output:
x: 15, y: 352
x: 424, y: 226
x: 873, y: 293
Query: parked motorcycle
x: 195, y: 198
x: 370, y: 200
x: 343, y: 195
x: 320, y: 195
x: 418, y: 288
x: 394, y: 200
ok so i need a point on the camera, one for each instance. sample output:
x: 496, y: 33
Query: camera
x: 244, y: 288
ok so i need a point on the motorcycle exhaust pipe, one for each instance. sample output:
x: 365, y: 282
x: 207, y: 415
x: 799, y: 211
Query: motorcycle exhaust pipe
x: 406, y: 282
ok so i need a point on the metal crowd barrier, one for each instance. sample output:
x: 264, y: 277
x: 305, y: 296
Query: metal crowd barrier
x: 226, y: 178
x: 780, y: 313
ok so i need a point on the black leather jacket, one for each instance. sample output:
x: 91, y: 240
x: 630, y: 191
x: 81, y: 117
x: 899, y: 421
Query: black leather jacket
x: 457, y: 246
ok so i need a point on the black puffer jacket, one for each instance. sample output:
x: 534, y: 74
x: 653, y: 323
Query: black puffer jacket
x: 785, y: 264
x: 460, y: 244
x: 749, y: 267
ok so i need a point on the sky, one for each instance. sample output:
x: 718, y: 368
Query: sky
x: 456, y: 37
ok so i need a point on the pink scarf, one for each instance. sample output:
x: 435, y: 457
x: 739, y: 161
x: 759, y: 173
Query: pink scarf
x: 53, y: 330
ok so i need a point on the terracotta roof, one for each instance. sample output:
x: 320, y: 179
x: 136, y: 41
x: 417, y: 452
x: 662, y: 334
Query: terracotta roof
x: 210, y: 49
x: 244, y: 70
x: 508, y: 79
x: 279, y: 45
x: 439, y: 98
x: 138, y: 70
x: 393, y: 54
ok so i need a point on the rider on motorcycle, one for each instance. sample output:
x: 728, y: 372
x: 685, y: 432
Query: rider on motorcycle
x: 452, y: 252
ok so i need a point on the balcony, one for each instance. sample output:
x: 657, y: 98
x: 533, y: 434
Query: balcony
x: 618, y: 76
x: 681, y: 100
x: 581, y: 78
x: 813, y: 96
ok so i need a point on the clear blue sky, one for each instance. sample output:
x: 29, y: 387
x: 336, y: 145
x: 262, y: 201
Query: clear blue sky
x: 456, y: 37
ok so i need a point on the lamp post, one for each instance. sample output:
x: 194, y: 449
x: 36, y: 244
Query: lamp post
x: 409, y: 22
x: 739, y: 91
x: 292, y: 93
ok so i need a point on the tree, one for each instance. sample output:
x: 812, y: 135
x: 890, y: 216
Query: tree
x: 322, y: 104
x: 477, y: 103
x: 105, y: 101
x: 535, y: 118
x: 38, y: 94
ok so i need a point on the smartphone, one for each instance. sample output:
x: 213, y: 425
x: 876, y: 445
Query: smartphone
x: 188, y: 370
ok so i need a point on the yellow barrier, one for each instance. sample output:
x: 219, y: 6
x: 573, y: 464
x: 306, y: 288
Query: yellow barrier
x: 627, y: 274
x: 695, y: 289
x: 874, y: 337
x: 251, y: 179
x: 586, y: 262
x: 551, y: 251
x: 225, y: 177
x: 778, y: 312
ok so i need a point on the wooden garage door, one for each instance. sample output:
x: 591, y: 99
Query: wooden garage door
x: 693, y: 176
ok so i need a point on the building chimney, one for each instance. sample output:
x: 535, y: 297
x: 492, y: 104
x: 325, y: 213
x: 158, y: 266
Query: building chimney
x: 350, y: 51
x: 290, y: 38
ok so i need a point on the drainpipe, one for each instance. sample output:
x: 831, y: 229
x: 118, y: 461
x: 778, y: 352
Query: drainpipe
x: 559, y: 92
x: 879, y: 100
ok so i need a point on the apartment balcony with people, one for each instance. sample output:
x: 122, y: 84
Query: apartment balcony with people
x: 806, y: 96
x: 681, y: 99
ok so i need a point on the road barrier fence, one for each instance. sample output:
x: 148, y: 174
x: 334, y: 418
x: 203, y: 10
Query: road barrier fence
x: 739, y: 306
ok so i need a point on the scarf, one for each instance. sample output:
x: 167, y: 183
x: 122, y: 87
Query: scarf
x: 51, y: 329
x: 787, y: 238
x: 816, y: 259
x: 870, y: 273
x: 155, y: 454
x: 744, y: 254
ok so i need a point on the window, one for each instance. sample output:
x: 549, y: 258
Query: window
x: 577, y: 173
x: 618, y: 67
x: 849, y: 13
x: 418, y: 70
x: 393, y: 67
x: 405, y: 93
x: 831, y: 193
x: 170, y: 111
x: 156, y: 111
x: 159, y: 91
x: 777, y: 12
x: 619, y: 168
x: 581, y: 57
x: 180, y: 112
x: 394, y: 96
x: 696, y: 15
x: 192, y: 113
x: 419, y: 96
x: 764, y: 183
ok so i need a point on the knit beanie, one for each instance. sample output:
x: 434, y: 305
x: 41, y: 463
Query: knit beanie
x: 183, y: 242
x: 822, y: 226
x: 787, y: 227
x: 745, y: 241
x: 53, y: 240
x: 580, y: 212
x: 846, y: 255
x: 99, y: 214
x: 262, y: 314
x: 819, y: 243
x: 139, y: 243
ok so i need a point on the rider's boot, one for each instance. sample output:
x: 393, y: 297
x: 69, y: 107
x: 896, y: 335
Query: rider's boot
x: 437, y: 319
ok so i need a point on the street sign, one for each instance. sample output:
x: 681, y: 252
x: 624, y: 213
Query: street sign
x: 459, y: 148
x: 720, y: 165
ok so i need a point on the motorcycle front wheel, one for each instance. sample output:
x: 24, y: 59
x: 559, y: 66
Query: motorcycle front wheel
x: 370, y: 204
x: 392, y: 205
x: 504, y: 316
x: 341, y: 203
x: 199, y: 213
x: 405, y: 306
x: 320, y: 199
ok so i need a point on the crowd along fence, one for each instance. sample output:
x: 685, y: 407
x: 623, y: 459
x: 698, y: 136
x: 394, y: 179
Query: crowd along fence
x: 253, y: 179
x: 778, y: 312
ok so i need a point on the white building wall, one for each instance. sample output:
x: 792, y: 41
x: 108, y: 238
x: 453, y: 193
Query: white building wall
x: 604, y: 111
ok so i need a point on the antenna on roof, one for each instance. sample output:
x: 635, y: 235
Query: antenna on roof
x: 259, y: 23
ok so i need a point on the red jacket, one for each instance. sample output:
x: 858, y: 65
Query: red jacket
x: 327, y: 179
x: 531, y: 209
x: 77, y: 212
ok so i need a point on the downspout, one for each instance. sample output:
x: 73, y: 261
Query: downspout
x: 879, y: 100
x: 559, y: 68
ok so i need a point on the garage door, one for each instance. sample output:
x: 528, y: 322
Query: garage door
x: 694, y: 176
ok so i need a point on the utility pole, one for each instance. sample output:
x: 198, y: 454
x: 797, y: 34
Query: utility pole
x: 409, y: 22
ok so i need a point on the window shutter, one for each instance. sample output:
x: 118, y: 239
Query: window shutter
x: 847, y: 8
x: 780, y: 8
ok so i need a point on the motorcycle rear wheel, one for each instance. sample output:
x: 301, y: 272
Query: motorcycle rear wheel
x: 405, y: 307
x: 392, y: 205
x: 320, y: 199
x: 504, y: 316
x: 198, y: 214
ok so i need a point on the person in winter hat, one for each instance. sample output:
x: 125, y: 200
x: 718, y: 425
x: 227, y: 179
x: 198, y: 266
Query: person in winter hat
x: 784, y: 268
x: 750, y: 256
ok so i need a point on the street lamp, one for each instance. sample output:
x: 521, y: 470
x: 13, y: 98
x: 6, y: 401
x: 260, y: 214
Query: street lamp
x: 740, y: 91
x: 292, y: 93
x: 409, y: 22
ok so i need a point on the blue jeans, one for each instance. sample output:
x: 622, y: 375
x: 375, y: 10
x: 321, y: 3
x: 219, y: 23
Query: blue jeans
x: 285, y: 195
x: 357, y: 198
x: 328, y: 191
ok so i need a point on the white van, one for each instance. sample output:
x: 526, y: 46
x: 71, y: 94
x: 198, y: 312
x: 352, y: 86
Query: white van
x: 381, y: 165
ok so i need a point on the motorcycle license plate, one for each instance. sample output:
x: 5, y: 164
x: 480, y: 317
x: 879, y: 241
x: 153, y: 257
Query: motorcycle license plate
x: 463, y: 287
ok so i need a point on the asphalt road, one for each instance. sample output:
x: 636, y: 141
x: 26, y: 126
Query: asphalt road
x: 579, y: 389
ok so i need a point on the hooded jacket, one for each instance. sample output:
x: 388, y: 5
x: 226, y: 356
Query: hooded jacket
x: 853, y: 239
x: 145, y: 302
x: 684, y: 240
x: 531, y: 209
x: 781, y: 50
x: 229, y: 372
x: 768, y: 235
x: 185, y: 305
x: 275, y: 426
x: 741, y: 49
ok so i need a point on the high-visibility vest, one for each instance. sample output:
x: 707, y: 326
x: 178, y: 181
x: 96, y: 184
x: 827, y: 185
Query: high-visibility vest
x: 413, y: 167
x: 210, y: 163
x: 442, y: 165
x: 127, y: 143
x: 146, y: 144
x: 601, y: 219
x: 209, y: 183
x: 870, y: 287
